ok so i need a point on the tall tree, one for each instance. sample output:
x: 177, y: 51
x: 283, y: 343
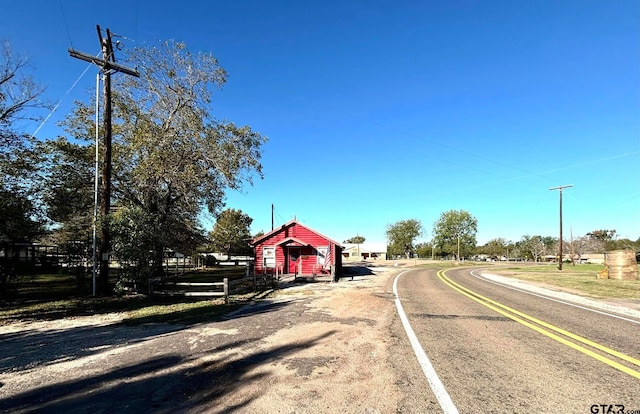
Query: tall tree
x: 231, y: 233
x: 455, y: 233
x: 16, y: 218
x: 355, y: 240
x: 608, y: 239
x: 602, y: 235
x: 424, y: 250
x: 496, y: 248
x: 171, y: 157
x: 19, y: 98
x: 19, y: 103
x: 536, y: 247
x: 401, y: 235
x: 68, y: 192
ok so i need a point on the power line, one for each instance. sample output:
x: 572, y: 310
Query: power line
x: 66, y: 25
x: 55, y: 108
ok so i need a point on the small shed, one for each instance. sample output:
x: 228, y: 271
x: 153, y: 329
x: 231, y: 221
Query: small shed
x: 294, y: 248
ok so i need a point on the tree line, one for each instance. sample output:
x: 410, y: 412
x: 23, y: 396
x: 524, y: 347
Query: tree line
x: 454, y: 236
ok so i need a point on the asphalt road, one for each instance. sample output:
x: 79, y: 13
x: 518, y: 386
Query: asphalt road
x: 499, y: 350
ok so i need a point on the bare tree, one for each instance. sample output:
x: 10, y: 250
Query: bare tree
x: 19, y: 97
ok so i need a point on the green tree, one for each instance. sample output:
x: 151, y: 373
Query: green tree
x: 455, y: 233
x: 401, y: 236
x: 171, y: 157
x: 609, y: 240
x: 68, y: 193
x: 602, y: 235
x: 355, y: 240
x: 16, y: 222
x: 535, y: 247
x: 231, y: 233
x: 424, y: 250
x: 19, y: 103
x: 496, y: 248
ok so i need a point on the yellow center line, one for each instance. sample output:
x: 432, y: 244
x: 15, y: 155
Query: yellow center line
x: 527, y: 320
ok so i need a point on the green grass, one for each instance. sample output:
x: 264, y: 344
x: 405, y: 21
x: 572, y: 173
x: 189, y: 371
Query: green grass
x: 55, y: 296
x: 581, y: 278
x: 215, y: 274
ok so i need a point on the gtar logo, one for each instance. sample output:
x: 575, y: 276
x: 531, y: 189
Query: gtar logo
x: 607, y: 409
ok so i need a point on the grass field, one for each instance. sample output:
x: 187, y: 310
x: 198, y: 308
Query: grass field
x: 582, y: 278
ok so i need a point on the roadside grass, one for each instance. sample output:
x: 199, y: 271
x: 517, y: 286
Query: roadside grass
x: 582, y: 278
x: 55, y: 296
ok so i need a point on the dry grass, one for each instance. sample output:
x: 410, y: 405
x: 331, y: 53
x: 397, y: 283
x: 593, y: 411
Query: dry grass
x: 581, y: 278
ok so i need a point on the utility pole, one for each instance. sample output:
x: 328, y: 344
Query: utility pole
x: 108, y: 65
x: 560, y: 188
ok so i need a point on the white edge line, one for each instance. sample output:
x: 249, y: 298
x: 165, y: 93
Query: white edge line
x: 612, y: 315
x: 430, y: 373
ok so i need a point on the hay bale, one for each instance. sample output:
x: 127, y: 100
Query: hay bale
x: 622, y: 264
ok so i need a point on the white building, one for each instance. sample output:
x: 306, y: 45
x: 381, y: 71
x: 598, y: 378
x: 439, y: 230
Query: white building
x: 364, y: 251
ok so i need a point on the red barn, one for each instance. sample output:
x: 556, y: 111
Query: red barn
x: 296, y: 249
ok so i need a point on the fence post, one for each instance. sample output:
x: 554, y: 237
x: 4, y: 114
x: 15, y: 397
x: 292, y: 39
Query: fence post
x: 226, y: 290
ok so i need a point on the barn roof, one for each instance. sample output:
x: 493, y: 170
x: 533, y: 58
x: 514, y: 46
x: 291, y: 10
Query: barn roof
x: 258, y: 239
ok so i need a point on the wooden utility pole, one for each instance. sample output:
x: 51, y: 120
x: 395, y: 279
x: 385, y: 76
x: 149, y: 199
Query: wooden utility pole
x: 108, y: 65
x: 560, y: 188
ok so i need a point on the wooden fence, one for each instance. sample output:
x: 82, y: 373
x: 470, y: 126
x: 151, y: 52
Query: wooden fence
x: 223, y: 289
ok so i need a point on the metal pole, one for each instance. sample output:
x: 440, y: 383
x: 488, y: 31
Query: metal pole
x: 560, y: 188
x: 560, y: 258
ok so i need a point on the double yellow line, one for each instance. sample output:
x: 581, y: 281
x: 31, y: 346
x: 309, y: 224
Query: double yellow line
x: 549, y: 330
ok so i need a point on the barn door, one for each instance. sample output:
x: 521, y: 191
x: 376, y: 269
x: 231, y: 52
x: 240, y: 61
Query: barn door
x: 294, y: 255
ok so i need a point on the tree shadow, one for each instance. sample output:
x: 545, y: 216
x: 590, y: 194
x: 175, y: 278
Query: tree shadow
x: 166, y: 384
x: 32, y: 347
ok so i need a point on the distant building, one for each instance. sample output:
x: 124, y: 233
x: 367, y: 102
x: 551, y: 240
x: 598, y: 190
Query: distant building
x: 594, y: 258
x: 364, y: 251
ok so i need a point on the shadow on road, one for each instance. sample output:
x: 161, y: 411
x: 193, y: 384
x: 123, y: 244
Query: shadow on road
x: 169, y: 383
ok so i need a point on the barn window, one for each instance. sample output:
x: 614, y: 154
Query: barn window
x: 269, y: 256
x: 322, y: 254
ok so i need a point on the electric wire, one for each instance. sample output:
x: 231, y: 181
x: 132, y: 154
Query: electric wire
x: 528, y: 174
x: 60, y: 100
x: 66, y: 25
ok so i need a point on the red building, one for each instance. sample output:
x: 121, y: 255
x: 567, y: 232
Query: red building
x: 296, y: 249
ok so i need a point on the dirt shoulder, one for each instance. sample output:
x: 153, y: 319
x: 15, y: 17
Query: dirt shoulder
x: 312, y: 347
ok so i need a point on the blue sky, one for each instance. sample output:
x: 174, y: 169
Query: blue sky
x: 383, y: 111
